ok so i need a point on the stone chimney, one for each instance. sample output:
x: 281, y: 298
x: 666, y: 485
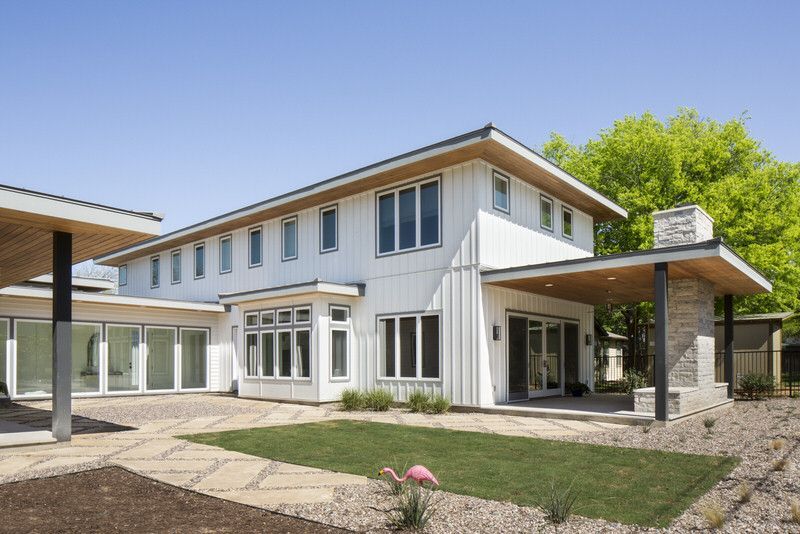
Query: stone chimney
x: 683, y: 225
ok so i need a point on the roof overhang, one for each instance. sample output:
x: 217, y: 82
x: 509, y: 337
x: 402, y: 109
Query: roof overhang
x: 28, y: 220
x: 293, y: 290
x: 628, y: 277
x: 488, y: 143
x: 114, y: 300
x: 78, y: 282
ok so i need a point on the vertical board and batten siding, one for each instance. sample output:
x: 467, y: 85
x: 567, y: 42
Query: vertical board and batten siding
x: 496, y: 303
x: 26, y: 308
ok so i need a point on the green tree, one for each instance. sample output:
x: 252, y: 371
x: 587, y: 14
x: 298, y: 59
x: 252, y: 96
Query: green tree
x: 646, y: 164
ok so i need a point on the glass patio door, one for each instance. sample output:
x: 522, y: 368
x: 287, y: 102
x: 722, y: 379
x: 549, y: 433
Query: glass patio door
x: 517, y: 359
x: 535, y: 357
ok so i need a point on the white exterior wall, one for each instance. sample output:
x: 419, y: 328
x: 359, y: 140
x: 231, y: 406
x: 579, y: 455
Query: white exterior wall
x: 14, y: 308
x: 443, y: 280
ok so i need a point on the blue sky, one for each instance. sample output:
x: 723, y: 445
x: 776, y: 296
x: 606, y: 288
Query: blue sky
x: 196, y: 108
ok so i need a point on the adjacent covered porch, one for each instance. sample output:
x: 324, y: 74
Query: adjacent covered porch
x: 683, y: 281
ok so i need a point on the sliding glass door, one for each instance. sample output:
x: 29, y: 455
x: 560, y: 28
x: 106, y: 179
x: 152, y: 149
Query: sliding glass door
x: 160, y: 358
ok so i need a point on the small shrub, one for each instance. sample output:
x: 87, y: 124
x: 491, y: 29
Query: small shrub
x: 415, y: 507
x: 714, y: 516
x: 378, y: 400
x: 646, y: 429
x: 418, y: 401
x: 709, y: 423
x: 756, y: 386
x: 794, y: 508
x: 633, y: 379
x: 777, y: 444
x: 439, y: 404
x: 558, y: 504
x: 780, y: 464
x: 744, y: 492
x: 352, y: 399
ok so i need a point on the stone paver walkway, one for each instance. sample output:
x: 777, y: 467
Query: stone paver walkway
x: 137, y: 433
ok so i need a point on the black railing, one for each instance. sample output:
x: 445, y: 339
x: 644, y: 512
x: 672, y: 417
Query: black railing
x: 612, y: 372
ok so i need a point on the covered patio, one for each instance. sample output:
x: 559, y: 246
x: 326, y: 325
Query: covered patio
x: 682, y: 275
x: 41, y: 234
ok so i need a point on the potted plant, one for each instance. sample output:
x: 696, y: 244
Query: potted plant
x: 578, y: 389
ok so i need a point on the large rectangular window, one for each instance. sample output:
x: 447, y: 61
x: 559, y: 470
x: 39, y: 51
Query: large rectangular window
x: 251, y: 354
x: 176, y: 267
x: 123, y: 358
x: 501, y: 187
x: 86, y: 358
x: 546, y: 213
x: 225, y: 254
x: 289, y: 239
x: 199, y: 260
x: 254, y: 247
x: 409, y: 218
x: 410, y: 344
x: 160, y: 358
x: 3, y: 349
x: 34, y: 357
x: 268, y: 354
x: 328, y: 239
x: 194, y: 358
x: 339, y: 342
x: 155, y: 272
x: 302, y: 353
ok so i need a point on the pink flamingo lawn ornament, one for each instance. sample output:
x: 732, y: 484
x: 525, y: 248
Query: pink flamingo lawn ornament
x: 419, y: 473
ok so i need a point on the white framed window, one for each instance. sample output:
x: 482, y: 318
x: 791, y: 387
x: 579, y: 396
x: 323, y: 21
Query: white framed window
x: 268, y: 354
x: 546, y: 212
x: 268, y: 318
x: 254, y: 247
x: 566, y: 222
x: 302, y: 315
x: 250, y: 319
x: 340, y: 353
x: 302, y: 353
x: 328, y: 229
x: 409, y: 217
x: 251, y: 354
x: 502, y: 192
x: 199, y: 260
x: 225, y: 254
x: 339, y: 314
x: 409, y: 346
x: 285, y: 316
x: 289, y: 239
x: 155, y: 272
x: 161, y: 355
x: 122, y: 277
x: 194, y: 358
x: 123, y: 343
x: 5, y: 332
x: 175, y: 267
x: 283, y: 342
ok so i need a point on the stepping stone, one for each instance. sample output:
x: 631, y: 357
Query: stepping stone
x: 268, y: 498
x: 232, y: 475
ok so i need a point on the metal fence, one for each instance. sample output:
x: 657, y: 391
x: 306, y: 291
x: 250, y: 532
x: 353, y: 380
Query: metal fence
x: 783, y: 366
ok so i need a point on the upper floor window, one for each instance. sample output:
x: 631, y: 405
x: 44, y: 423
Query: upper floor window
x: 546, y: 213
x: 328, y: 238
x: 566, y: 222
x: 289, y: 239
x: 123, y: 275
x: 254, y: 247
x: 199, y: 260
x: 176, y: 267
x: 225, y: 254
x: 409, y: 217
x: 155, y: 271
x: 501, y: 187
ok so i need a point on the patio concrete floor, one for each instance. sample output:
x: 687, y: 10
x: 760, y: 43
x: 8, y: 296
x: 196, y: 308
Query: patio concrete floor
x: 138, y: 433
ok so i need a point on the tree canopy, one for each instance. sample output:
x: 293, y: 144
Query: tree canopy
x: 646, y: 164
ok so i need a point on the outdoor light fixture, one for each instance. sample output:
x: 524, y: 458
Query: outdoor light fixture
x: 589, y: 339
x: 496, y: 332
x: 548, y: 285
x: 611, y: 278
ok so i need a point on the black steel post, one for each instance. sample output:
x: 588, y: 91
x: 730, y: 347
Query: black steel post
x: 62, y: 336
x: 662, y: 321
x: 729, y: 369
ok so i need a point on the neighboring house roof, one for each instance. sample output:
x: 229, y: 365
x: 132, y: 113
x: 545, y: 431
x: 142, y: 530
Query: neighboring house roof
x: 628, y: 276
x: 487, y: 143
x: 293, y: 290
x: 757, y: 317
x: 602, y: 333
x: 111, y: 299
x: 28, y: 220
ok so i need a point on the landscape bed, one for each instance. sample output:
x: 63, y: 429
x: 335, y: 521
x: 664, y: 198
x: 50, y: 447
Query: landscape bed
x: 633, y: 486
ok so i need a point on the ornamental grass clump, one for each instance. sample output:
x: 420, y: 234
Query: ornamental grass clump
x: 714, y: 516
x: 352, y: 399
x: 777, y: 444
x: 418, y: 401
x: 780, y: 464
x: 709, y: 423
x: 756, y: 386
x: 794, y: 509
x: 378, y: 400
x: 744, y: 492
x: 558, y: 503
x: 439, y: 404
x: 415, y: 507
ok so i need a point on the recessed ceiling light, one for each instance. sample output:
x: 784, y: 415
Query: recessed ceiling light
x: 548, y: 285
x: 611, y: 278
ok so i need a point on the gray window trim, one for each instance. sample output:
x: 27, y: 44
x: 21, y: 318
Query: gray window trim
x: 396, y: 318
x: 341, y: 307
x: 394, y: 191
x: 156, y: 257
x: 324, y: 209
x: 497, y: 174
x: 545, y: 198
x: 250, y: 231
x: 228, y: 237
x: 296, y: 239
x: 194, y: 260
x: 564, y: 211
x: 119, y: 277
x: 176, y: 252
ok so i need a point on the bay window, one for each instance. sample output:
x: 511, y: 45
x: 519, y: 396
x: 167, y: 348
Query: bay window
x: 409, y: 217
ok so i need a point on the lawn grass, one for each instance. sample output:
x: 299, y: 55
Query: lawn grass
x: 635, y: 486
